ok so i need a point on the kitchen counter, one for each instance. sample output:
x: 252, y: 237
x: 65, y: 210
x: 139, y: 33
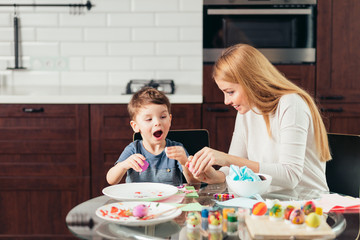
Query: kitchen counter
x: 87, y: 95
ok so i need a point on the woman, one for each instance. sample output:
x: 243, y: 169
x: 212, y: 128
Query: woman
x: 278, y: 129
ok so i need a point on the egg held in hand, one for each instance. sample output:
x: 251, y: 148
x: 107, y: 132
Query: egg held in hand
x: 140, y: 210
x: 145, y: 166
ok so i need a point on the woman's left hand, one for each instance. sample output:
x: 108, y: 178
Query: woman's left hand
x: 206, y: 158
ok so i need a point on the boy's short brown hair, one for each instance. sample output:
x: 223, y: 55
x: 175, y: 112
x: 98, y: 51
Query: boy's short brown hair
x: 145, y: 96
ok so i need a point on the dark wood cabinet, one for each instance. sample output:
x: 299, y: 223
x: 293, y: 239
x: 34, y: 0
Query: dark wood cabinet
x: 219, y: 120
x: 44, y: 168
x: 338, y: 64
x: 111, y: 133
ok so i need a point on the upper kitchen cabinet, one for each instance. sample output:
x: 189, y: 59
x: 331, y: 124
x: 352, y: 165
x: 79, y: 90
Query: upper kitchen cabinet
x: 338, y: 61
x: 111, y: 133
x: 338, y: 64
x: 44, y: 168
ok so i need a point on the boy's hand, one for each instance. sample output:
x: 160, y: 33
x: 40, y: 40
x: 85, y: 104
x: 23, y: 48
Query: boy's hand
x: 135, y: 162
x: 176, y: 152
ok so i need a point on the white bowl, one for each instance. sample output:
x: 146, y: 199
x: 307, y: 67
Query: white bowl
x: 248, y: 189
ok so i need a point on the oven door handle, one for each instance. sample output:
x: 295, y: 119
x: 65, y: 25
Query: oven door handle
x: 258, y: 11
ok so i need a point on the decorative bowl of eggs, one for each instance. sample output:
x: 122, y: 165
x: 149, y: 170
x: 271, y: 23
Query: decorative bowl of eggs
x: 244, y: 188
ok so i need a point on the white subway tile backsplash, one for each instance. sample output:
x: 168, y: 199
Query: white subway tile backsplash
x: 106, y: 6
x: 36, y: 78
x: 5, y: 20
x: 107, y: 34
x: 56, y: 34
x: 154, y: 5
x: 76, y: 63
x: 179, y: 48
x: 178, y: 19
x: 83, y: 49
x: 191, y: 5
x: 38, y: 19
x: 182, y: 77
x: 155, y: 63
x: 117, y: 40
x: 107, y: 63
x: 191, y: 34
x: 40, y: 48
x: 84, y: 20
x: 121, y: 78
x: 190, y: 63
x: 154, y: 34
x: 131, y: 19
x: 88, y: 78
x: 131, y: 49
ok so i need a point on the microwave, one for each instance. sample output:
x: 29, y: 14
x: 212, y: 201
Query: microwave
x: 283, y: 30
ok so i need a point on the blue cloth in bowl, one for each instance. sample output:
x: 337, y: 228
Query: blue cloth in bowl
x: 243, y: 174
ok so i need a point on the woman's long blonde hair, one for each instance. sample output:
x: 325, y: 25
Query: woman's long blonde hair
x: 264, y: 85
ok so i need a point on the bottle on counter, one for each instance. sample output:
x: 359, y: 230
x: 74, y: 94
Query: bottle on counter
x: 232, y: 223
x: 225, y: 213
x: 204, y: 219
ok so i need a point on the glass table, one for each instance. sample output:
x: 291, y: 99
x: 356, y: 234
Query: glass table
x: 84, y: 224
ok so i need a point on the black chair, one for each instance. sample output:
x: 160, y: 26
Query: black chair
x: 343, y: 171
x: 192, y: 139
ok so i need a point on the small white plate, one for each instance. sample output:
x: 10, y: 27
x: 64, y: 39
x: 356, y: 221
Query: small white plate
x: 144, y: 191
x: 105, y: 212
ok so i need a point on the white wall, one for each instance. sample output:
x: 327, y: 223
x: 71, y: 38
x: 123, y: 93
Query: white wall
x: 116, y: 41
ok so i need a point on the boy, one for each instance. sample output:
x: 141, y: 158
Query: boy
x: 149, y: 111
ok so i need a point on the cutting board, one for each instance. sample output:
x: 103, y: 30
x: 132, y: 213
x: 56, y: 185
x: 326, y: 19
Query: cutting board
x: 264, y: 228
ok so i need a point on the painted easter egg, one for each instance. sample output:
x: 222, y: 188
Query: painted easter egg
x: 297, y: 217
x: 145, y: 166
x: 140, y: 210
x: 309, y: 207
x: 313, y: 220
x: 259, y: 209
x: 276, y: 212
x: 288, y: 211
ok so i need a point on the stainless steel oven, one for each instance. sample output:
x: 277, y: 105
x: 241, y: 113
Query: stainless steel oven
x: 283, y: 30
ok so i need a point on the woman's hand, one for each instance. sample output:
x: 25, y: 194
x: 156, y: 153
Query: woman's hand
x: 205, y: 159
x: 178, y: 153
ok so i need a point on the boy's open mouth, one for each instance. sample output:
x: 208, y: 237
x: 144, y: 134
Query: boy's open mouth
x: 158, y: 134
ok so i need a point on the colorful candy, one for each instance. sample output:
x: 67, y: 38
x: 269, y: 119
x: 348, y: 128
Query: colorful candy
x: 215, y: 219
x: 309, y: 207
x: 223, y: 197
x: 259, y: 209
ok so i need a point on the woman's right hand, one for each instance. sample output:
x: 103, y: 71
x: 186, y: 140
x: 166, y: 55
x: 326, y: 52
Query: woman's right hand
x: 204, y: 159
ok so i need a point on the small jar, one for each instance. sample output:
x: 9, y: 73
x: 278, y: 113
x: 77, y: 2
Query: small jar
x: 232, y: 224
x: 242, y: 214
x: 215, y: 220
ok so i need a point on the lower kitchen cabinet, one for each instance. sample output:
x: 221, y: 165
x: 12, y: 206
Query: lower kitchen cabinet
x: 44, y: 168
x: 341, y: 117
x: 219, y: 120
x: 111, y: 133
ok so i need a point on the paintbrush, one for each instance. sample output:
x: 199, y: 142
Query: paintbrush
x: 152, y: 216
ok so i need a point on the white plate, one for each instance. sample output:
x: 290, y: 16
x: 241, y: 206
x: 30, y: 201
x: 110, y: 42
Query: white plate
x: 104, y: 212
x: 140, y: 191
